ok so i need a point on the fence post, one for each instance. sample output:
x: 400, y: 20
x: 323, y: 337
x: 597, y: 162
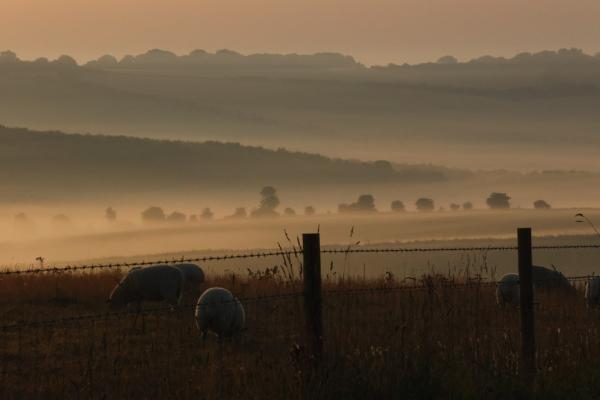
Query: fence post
x: 527, y: 365
x: 311, y: 250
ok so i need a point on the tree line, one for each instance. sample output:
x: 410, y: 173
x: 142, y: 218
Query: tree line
x: 269, y: 205
x: 365, y: 204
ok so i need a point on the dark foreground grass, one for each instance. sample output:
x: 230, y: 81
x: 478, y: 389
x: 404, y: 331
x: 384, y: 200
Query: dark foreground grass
x: 440, y: 341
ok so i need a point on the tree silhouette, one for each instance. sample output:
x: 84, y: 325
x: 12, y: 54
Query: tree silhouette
x: 309, y: 210
x: 498, y: 201
x: 454, y: 207
x: 541, y: 205
x: 467, y: 206
x: 425, y: 204
x: 447, y: 60
x: 364, y: 204
x: 239, y: 213
x: 268, y: 203
x: 289, y: 212
x: 153, y: 214
x: 176, y: 217
x: 110, y: 214
x: 397, y: 206
x: 207, y: 214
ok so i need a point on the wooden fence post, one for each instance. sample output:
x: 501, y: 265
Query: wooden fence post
x: 311, y: 249
x: 527, y: 365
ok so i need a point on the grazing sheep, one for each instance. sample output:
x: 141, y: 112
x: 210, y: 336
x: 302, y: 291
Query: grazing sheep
x: 592, y: 291
x: 192, y: 273
x: 154, y: 283
x: 546, y: 278
x: 220, y: 312
x: 508, y: 291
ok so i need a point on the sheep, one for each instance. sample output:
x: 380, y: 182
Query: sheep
x: 220, y: 312
x: 154, y: 283
x: 546, y: 278
x: 592, y: 291
x: 508, y: 291
x: 192, y: 273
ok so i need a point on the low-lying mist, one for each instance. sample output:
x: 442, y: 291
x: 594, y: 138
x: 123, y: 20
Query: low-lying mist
x: 94, y: 238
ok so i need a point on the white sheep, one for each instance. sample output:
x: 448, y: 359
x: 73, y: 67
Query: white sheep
x: 508, y: 291
x: 220, y: 312
x: 192, y: 273
x: 592, y: 291
x: 154, y: 283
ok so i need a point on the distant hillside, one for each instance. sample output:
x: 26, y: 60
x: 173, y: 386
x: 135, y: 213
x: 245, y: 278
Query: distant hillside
x: 225, y: 59
x: 531, y: 111
x: 53, y: 164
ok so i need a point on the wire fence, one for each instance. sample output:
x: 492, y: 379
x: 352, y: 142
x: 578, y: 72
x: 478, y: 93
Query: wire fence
x: 419, y: 283
x: 425, y: 283
x: 420, y: 314
x: 91, y: 267
x: 283, y: 253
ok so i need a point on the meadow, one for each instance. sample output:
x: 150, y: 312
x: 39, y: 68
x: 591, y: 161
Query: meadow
x: 438, y: 336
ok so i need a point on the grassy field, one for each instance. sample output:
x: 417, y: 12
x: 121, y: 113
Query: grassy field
x: 397, y: 325
x: 383, y: 338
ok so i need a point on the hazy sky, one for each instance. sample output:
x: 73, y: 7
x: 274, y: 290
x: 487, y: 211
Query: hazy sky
x: 375, y: 31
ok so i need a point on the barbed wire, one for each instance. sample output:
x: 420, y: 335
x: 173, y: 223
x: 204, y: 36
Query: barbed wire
x: 453, y: 249
x: 348, y: 250
x: 72, y: 268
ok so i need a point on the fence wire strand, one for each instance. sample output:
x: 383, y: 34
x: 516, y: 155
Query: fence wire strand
x: 286, y: 253
x: 425, y: 284
x: 73, y: 268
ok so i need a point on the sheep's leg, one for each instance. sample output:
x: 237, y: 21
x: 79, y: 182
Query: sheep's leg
x: 138, y: 309
x: 171, y: 293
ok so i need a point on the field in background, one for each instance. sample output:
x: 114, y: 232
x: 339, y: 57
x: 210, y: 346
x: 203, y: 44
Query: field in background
x: 177, y: 240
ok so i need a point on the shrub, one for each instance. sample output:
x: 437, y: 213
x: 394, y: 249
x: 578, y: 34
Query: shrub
x: 498, y: 201
x: 207, y: 214
x: 153, y: 214
x: 541, y: 205
x: 425, y: 204
x: 110, y: 214
x: 364, y: 204
x: 397, y: 206
x: 239, y: 213
x: 176, y: 217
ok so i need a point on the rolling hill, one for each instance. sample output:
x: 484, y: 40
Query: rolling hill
x: 532, y: 111
x: 49, y: 164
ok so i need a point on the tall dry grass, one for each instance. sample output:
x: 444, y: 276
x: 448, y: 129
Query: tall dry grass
x: 383, y: 339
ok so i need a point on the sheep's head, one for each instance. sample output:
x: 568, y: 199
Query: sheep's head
x: 118, y: 297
